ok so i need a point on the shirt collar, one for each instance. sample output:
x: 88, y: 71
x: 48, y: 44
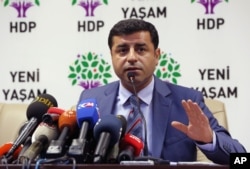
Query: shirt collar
x: 145, y: 94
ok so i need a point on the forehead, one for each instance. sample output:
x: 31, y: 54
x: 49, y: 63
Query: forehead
x: 133, y: 38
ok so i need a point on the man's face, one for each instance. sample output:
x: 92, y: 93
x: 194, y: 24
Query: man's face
x: 134, y: 53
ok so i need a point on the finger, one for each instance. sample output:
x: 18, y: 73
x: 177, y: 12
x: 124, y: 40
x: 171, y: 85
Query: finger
x: 180, y: 126
x: 201, y: 117
x: 187, y: 105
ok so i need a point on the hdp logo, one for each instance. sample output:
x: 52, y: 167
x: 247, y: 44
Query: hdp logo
x: 209, y: 5
x: 168, y: 69
x: 89, y: 71
x: 89, y: 5
x: 21, y: 6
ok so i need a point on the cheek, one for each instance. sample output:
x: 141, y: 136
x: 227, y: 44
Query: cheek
x: 117, y: 63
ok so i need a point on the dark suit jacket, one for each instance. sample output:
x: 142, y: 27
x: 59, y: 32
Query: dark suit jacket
x: 169, y: 143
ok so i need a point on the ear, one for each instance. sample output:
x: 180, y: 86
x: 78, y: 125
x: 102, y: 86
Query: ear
x: 157, y: 55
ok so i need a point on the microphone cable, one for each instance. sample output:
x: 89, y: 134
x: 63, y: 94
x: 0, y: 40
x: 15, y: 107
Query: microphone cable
x: 131, y: 76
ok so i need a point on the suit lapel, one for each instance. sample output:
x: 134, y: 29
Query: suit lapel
x: 108, y: 102
x: 161, y: 110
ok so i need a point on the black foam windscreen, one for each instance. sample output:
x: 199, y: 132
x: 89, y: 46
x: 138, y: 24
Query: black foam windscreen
x: 39, y: 106
x: 110, y: 124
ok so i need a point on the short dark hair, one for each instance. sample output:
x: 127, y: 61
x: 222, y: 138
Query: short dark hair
x: 129, y: 26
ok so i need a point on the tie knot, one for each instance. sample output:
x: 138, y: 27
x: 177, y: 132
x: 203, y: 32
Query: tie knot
x: 133, y: 100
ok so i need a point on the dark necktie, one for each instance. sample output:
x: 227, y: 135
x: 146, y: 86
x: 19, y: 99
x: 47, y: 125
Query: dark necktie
x: 134, y: 120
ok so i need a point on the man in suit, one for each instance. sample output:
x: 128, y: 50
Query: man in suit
x: 177, y: 119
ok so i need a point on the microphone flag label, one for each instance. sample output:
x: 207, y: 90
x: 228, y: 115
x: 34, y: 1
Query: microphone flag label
x: 239, y: 160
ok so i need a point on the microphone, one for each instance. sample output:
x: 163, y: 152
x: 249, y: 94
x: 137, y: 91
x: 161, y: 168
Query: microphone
x: 66, y: 124
x: 131, y: 77
x: 107, y: 131
x: 131, y: 147
x: 41, y: 137
x: 6, y: 147
x: 25, y: 146
x: 86, y: 116
x: 52, y: 115
x: 34, y: 113
x: 114, y: 152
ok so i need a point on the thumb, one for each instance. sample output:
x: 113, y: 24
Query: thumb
x: 179, y: 126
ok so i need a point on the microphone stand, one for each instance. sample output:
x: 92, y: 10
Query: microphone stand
x: 131, y: 76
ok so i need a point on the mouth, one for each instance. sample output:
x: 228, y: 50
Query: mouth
x: 132, y: 69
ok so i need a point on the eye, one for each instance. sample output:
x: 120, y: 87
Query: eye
x: 140, y: 49
x: 122, y: 51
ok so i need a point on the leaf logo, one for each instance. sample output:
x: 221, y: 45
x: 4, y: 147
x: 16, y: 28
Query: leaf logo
x: 209, y: 5
x: 21, y: 6
x: 89, y: 6
x: 89, y: 71
x: 168, y: 69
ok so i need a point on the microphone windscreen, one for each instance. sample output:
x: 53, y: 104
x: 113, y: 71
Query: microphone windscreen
x: 55, y: 110
x: 124, y: 124
x: 6, y: 147
x: 43, y: 129
x: 87, y: 110
x: 110, y: 124
x: 131, y: 75
x: 133, y: 141
x: 40, y: 105
x: 67, y: 118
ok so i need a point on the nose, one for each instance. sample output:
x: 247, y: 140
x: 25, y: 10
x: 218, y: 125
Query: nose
x: 132, y: 56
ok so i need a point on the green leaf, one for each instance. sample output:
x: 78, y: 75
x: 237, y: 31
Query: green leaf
x: 164, y: 56
x: 107, y: 75
x: 6, y: 3
x: 94, y: 64
x: 74, y: 82
x: 158, y: 73
x: 90, y: 56
x: 105, y: 2
x: 71, y: 68
x: 107, y: 68
x: 101, y: 68
x: 95, y: 57
x: 84, y: 70
x: 103, y: 61
x: 192, y: 1
x: 78, y: 69
x: 74, y: 2
x: 72, y: 75
x: 84, y: 76
x: 172, y: 60
x: 163, y: 63
x: 105, y: 81
x: 96, y: 76
x: 165, y: 75
x: 90, y: 75
x: 83, y: 57
x: 37, y: 2
x: 76, y: 62
x: 170, y: 67
x: 177, y: 67
x: 85, y: 64
x: 176, y: 74
x: 174, y: 80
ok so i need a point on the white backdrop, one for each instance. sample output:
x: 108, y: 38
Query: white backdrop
x: 37, y: 50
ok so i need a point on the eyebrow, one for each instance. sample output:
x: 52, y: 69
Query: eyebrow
x: 137, y: 44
